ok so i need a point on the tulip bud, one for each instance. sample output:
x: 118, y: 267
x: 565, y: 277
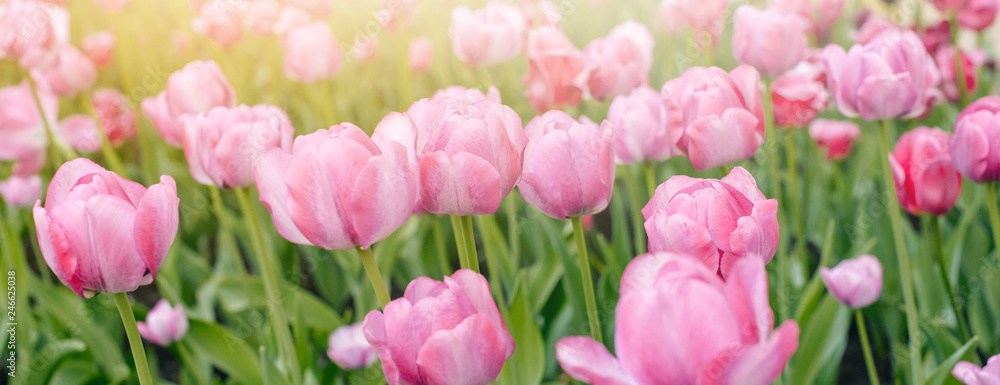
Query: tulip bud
x: 99, y: 46
x: 487, y: 36
x: 421, y: 54
x: 348, y: 348
x: 837, y: 136
x: 19, y: 191
x: 645, y: 127
x: 311, y: 53
x: 926, y: 180
x: 770, y: 40
x: 974, y: 148
x: 164, y: 324
x: 856, y: 282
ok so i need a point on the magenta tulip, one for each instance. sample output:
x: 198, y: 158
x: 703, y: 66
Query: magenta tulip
x: 348, y: 348
x: 662, y: 332
x: 100, y: 232
x: 336, y: 189
x: 115, y: 115
x: 837, y: 136
x: 619, y: 62
x: 974, y: 147
x: 569, y: 166
x: 69, y: 73
x: 222, y: 144
x: 856, y: 282
x: 798, y: 95
x: 645, y: 128
x: 718, y: 221
x: 164, y: 324
x: 772, y: 41
x: 487, y: 36
x: 972, y: 374
x: 557, y: 70
x: 99, y: 46
x: 221, y: 21
x: 447, y: 332
x: 311, y: 53
x: 926, y: 180
x: 22, y: 130
x: 723, y: 117
x: 421, y: 54
x: 21, y: 191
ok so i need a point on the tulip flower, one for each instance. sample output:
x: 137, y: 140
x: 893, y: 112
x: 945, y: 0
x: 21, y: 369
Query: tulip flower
x: 262, y: 16
x: 447, y: 332
x: 935, y: 36
x: 723, y: 117
x: 557, y: 70
x: 978, y: 15
x: 872, y: 27
x: 164, y: 324
x: 289, y: 19
x: 348, y: 348
x: 542, y: 12
x: 196, y: 88
x: 22, y: 130
x: 798, y: 95
x: 100, y: 232
x: 645, y: 128
x: 19, y: 16
x: 365, y: 48
x: 487, y: 36
x: 99, y: 46
x: 837, y: 136
x: 661, y: 334
x: 972, y: 374
x: 974, y: 145
x: 421, y: 54
x: 115, y: 115
x: 20, y: 191
x: 311, y: 53
x: 926, y: 179
x: 80, y: 132
x: 770, y: 40
x: 945, y: 59
x: 898, y: 77
x: 822, y: 14
x: 619, y: 62
x: 856, y: 282
x: 70, y: 72
x: 702, y: 16
x: 166, y: 124
x: 742, y: 223
x: 221, y: 21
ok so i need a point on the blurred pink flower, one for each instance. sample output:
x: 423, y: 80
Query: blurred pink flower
x: 311, y: 53
x: 27, y: 30
x: 421, y: 54
x: 115, y: 115
x: 487, y: 36
x: 198, y: 87
x: 99, y: 46
x: 112, y: 5
x: 22, y: 130
x: 837, y: 136
x: 541, y: 12
x: 945, y: 59
x: 365, y: 48
x: 935, y: 36
x: 221, y: 21
x: 619, y: 62
x: 926, y: 180
x: 557, y: 70
x: 348, y: 348
x: 978, y: 15
x: 975, y: 147
x: 80, y: 132
x: 164, y: 324
x: 70, y: 73
x: 873, y: 26
x: 645, y: 128
x: 798, y: 95
x: 318, y: 8
x: 971, y: 374
x: 822, y: 14
x: 289, y: 19
x: 262, y: 16
x: 705, y: 17
x: 20, y: 191
x: 772, y: 41
x: 856, y: 282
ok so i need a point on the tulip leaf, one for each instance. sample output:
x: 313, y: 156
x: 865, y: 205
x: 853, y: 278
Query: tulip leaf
x: 74, y: 372
x: 822, y: 338
x: 224, y: 349
x: 814, y: 289
x: 944, y: 369
x: 527, y: 364
x: 43, y: 366
x: 241, y: 293
x: 272, y: 376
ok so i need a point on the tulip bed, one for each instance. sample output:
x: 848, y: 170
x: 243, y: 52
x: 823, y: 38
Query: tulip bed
x: 413, y: 192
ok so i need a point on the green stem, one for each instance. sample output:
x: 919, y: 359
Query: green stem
x: 470, y: 243
x: 457, y: 228
x: 902, y: 254
x: 795, y: 195
x: 588, y: 283
x: 225, y: 228
x: 959, y: 67
x: 991, y: 205
x: 67, y: 153
x: 635, y: 205
x: 439, y: 246
x: 935, y: 230
x: 134, y: 341
x: 866, y: 347
x: 650, y: 178
x: 269, y: 271
x: 773, y: 177
x: 513, y: 227
x: 371, y: 268
x: 185, y: 356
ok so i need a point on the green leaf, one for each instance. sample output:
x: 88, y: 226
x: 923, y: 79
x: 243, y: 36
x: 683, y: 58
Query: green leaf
x: 272, y: 376
x: 528, y: 362
x: 943, y: 370
x: 74, y: 372
x: 43, y: 365
x: 821, y: 339
x: 242, y: 293
x: 224, y: 349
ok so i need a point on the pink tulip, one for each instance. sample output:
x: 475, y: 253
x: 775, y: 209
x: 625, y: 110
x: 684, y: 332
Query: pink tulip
x: 837, y: 136
x: 678, y: 323
x: 222, y: 144
x: 348, y: 348
x: 926, y: 180
x: 336, y: 189
x: 971, y: 374
x: 936, y: 36
x: 891, y: 77
x: 221, y: 21
x: 950, y: 5
x: 168, y: 126
x: 289, y: 19
x: 262, y: 16
x: 80, y: 132
x: 311, y: 53
x: 99, y: 46
x: 421, y: 54
x: 70, y: 72
x: 557, y: 71
x: 569, y: 166
x: 460, y: 97
x: 112, y: 5
x: 397, y: 15
x: 619, y: 62
x: 771, y: 41
x: 22, y: 130
x: 718, y: 221
x: 822, y: 14
x: 723, y: 117
x: 26, y: 29
x: 798, y: 95
x: 100, y: 232
x: 365, y: 48
x: 317, y: 8
x: 856, y: 282
x: 20, y: 191
x: 974, y: 147
x: 872, y: 27
x: 115, y: 115
x: 197, y: 88
x: 705, y: 17
x: 541, y: 12
x: 447, y: 332
x: 645, y: 129
x: 164, y: 324
x: 978, y: 14
x: 945, y: 58
x: 487, y: 36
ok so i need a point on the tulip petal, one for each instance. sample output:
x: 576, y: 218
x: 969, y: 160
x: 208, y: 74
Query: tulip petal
x: 477, y: 290
x: 677, y: 233
x: 757, y: 364
x: 641, y: 273
x: 269, y: 175
x: 374, y: 330
x: 313, y: 199
x: 66, y: 177
x: 156, y: 222
x: 719, y: 140
x: 887, y: 96
x: 756, y: 234
x: 56, y: 250
x: 463, y: 184
x: 589, y: 361
x: 741, y: 179
x: 115, y: 266
x: 470, y: 354
x: 383, y: 196
x: 746, y: 288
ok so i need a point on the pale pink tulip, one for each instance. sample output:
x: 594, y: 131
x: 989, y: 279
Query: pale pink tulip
x: 262, y: 16
x: 69, y: 73
x: 112, y: 5
x: 945, y: 59
x: 197, y: 88
x: 723, y: 117
x: 837, y: 136
x: 772, y: 41
x: 22, y: 130
x: 348, y: 348
x: 856, y: 282
x: 99, y: 46
x: 972, y: 374
x: 397, y: 15
x: 541, y: 12
x: 569, y: 166
x: 100, y: 232
x: 487, y: 36
x: 289, y: 18
x: 421, y: 54
x: 447, y: 332
x: 317, y: 8
x: 336, y: 189
x: 678, y: 323
x: 557, y: 70
x: 704, y: 17
x: 718, y: 221
x: 181, y: 41
x: 798, y: 95
x: 311, y: 53
x: 80, y: 132
x: 164, y: 324
x: 365, y: 48
x: 978, y: 14
x: 20, y: 191
x: 222, y: 144
x: 645, y: 128
x: 619, y: 62
x: 221, y: 21
x: 27, y: 30
x: 822, y: 14
x: 115, y: 115
x: 974, y: 147
x: 872, y: 27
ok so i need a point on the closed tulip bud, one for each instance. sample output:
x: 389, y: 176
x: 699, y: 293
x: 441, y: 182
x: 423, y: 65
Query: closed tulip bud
x: 164, y: 324
x: 978, y: 14
x: 945, y: 59
x: 421, y: 54
x: 80, y: 132
x: 348, y: 348
x: 798, y: 95
x: 22, y: 130
x: 487, y: 36
x: 645, y: 128
x: 69, y: 73
x: 743, y: 224
x: 770, y: 40
x: 447, y: 332
x: 718, y: 108
x: 20, y: 191
x: 99, y: 46
x: 557, y: 70
x: 197, y: 88
x: 311, y: 53
x: 856, y: 282
x: 221, y: 21
x: 898, y: 79
x: 569, y: 166
x: 837, y: 136
x: 336, y: 189
x: 926, y: 179
x: 661, y: 333
x: 112, y: 5
x: 971, y: 374
x: 619, y: 62
x: 115, y: 115
x: 100, y: 232
x: 262, y: 16
x: 974, y: 147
